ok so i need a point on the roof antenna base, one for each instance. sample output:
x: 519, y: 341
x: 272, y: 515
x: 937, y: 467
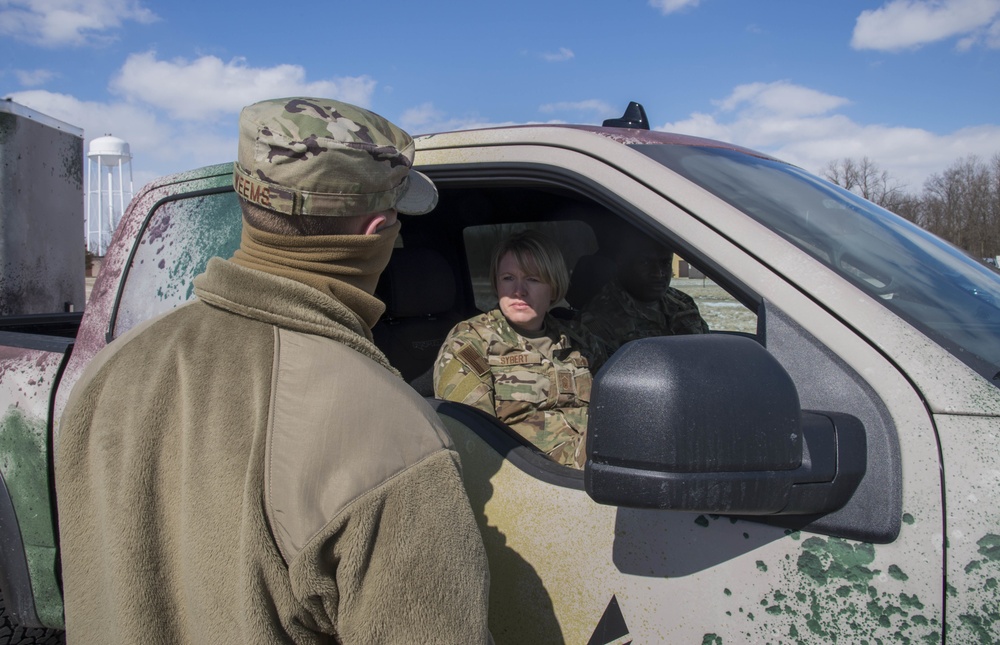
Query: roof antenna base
x: 634, y: 117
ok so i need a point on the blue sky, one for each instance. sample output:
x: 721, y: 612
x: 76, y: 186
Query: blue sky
x: 912, y: 84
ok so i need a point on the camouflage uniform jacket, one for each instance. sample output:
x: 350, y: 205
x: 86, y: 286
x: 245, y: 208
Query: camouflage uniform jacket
x: 616, y: 317
x: 540, y: 387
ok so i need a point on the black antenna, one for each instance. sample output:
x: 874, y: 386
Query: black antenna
x: 634, y: 117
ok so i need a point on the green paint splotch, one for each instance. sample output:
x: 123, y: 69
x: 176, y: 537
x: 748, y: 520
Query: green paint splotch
x: 897, y: 573
x: 832, y: 592
x: 182, y: 236
x: 974, y: 612
x: 24, y: 464
x: 989, y: 547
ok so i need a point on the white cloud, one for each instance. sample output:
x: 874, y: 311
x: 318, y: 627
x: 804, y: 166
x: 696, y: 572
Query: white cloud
x: 426, y: 118
x: 564, y: 54
x: 600, y: 108
x: 813, y: 134
x: 207, y: 87
x: 667, y: 7
x: 988, y: 37
x: 780, y: 97
x: 178, y: 115
x: 902, y: 24
x: 154, y: 143
x: 417, y: 118
x: 33, y: 77
x: 54, y: 23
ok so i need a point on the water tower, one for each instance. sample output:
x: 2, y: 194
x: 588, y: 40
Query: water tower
x: 107, y: 197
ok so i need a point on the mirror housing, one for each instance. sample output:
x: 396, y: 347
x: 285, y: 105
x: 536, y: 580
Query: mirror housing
x: 712, y: 424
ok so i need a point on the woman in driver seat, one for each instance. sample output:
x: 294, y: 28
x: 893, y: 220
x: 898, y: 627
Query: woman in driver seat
x: 517, y: 362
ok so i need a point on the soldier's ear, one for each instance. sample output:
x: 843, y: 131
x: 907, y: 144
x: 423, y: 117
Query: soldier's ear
x: 374, y: 224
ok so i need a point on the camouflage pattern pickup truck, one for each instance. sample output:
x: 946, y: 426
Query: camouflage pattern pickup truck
x: 823, y: 466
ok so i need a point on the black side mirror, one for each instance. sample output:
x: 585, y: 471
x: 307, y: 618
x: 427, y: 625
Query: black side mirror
x: 712, y: 423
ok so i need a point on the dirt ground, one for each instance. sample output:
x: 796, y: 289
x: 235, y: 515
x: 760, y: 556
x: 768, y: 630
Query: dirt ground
x: 720, y: 310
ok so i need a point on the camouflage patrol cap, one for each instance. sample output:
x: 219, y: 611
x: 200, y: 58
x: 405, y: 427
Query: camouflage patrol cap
x: 309, y: 156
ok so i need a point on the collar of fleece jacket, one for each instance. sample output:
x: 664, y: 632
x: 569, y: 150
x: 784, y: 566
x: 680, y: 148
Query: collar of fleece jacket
x: 345, y: 267
x: 287, y: 303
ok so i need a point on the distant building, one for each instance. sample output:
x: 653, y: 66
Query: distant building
x: 41, y: 213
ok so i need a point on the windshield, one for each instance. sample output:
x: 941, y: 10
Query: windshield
x: 934, y: 286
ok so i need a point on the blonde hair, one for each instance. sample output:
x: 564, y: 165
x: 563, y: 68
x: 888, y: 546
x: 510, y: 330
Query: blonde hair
x: 533, y: 252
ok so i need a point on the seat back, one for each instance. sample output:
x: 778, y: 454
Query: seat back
x: 418, y: 289
x: 590, y: 273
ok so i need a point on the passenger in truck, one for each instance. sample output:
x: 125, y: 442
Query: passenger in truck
x: 640, y: 302
x: 519, y: 363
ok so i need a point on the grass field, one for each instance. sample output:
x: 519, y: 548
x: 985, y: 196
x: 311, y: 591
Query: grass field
x: 720, y: 310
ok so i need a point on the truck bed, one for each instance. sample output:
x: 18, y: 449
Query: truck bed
x: 58, y: 324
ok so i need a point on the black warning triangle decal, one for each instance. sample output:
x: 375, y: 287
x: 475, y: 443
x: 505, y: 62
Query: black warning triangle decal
x: 612, y: 629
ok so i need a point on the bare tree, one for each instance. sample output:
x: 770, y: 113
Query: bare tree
x: 962, y: 205
x: 865, y: 178
x: 909, y: 207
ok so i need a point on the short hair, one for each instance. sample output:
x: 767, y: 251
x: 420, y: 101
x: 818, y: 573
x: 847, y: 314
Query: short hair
x: 270, y: 221
x: 533, y: 251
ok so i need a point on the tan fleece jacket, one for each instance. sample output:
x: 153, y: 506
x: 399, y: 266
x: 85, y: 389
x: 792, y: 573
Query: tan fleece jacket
x: 243, y: 470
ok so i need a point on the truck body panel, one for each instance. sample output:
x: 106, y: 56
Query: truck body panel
x: 560, y: 563
x: 27, y: 380
x: 971, y: 450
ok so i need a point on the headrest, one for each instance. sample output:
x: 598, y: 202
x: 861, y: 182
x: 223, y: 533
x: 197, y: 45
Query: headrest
x: 416, y: 282
x: 590, y: 274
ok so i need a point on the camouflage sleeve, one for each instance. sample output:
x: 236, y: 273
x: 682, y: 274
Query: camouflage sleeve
x: 462, y: 373
x: 602, y: 327
x: 684, y: 315
x: 594, y: 349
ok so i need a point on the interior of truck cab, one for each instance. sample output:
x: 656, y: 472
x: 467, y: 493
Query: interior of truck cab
x: 439, y: 274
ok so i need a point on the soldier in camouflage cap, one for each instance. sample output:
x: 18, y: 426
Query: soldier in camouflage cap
x: 519, y: 364
x: 318, y: 157
x: 640, y: 302
x: 259, y: 451
x: 308, y: 168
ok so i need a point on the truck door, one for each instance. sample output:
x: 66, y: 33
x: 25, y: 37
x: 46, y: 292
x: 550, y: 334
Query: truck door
x: 565, y: 568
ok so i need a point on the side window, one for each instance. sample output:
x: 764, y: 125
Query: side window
x: 590, y: 263
x: 175, y: 246
x: 717, y: 306
x: 586, y: 232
